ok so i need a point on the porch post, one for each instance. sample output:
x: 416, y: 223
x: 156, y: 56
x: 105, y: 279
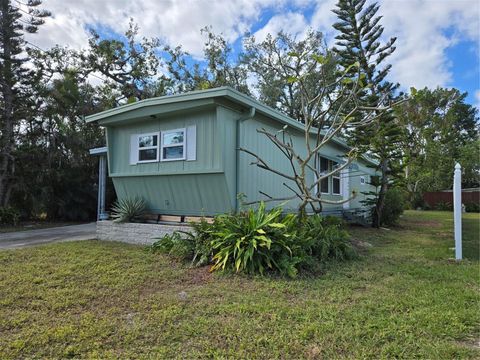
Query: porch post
x: 102, y: 171
x: 102, y: 180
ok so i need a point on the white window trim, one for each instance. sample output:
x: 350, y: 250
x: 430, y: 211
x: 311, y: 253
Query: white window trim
x: 364, y: 180
x: 184, y: 130
x: 147, y: 147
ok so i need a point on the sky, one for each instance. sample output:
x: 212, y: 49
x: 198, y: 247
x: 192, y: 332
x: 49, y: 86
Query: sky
x: 438, y: 41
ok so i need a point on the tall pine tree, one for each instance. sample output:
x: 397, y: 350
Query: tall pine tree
x: 16, y: 19
x: 359, y: 41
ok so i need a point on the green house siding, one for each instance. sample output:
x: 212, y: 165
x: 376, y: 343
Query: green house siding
x: 362, y: 171
x: 224, y: 120
x: 252, y: 179
x: 209, y: 157
x: 199, y: 194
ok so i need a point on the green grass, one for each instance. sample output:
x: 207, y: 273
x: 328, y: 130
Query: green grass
x: 403, y: 298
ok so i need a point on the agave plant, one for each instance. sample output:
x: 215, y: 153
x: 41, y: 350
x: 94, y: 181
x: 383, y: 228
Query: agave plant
x: 128, y: 209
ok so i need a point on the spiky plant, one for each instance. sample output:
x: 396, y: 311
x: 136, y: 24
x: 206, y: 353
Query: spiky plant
x: 128, y: 209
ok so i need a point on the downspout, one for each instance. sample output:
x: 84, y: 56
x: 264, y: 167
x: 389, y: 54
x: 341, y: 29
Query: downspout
x: 240, y: 120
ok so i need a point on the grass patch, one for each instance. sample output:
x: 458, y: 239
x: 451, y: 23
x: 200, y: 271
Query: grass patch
x: 402, y: 298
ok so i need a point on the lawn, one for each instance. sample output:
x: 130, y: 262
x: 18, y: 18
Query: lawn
x: 403, y: 298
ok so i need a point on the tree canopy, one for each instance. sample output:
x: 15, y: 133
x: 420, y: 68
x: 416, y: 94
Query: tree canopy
x: 45, y: 168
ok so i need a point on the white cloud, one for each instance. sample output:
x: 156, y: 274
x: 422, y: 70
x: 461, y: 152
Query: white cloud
x: 323, y: 18
x: 292, y: 23
x: 176, y: 22
x: 420, y: 27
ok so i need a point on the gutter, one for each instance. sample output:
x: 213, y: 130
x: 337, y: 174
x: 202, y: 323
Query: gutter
x: 240, y: 121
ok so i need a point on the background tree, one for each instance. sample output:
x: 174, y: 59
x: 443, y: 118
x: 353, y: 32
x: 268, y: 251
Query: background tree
x: 272, y: 65
x: 16, y: 19
x: 440, y: 129
x: 359, y: 41
x: 56, y: 174
x: 131, y: 68
x: 220, y: 66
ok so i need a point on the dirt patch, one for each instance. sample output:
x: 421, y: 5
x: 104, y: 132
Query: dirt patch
x: 313, y: 352
x: 471, y: 344
x: 360, y: 245
x: 198, y: 276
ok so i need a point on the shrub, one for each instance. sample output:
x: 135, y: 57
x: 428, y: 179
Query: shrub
x: 327, y: 239
x: 472, y: 207
x: 201, y: 237
x: 443, y: 206
x: 9, y: 216
x: 175, y: 246
x: 330, y: 220
x: 194, y: 246
x: 394, y: 206
x: 417, y: 201
x: 128, y: 209
x: 254, y: 241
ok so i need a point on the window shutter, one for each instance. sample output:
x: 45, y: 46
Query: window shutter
x: 191, y: 143
x: 133, y: 149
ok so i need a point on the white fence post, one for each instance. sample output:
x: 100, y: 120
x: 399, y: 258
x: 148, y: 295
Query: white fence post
x: 457, y: 210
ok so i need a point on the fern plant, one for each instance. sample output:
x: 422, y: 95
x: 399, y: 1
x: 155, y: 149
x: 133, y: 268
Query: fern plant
x: 128, y: 209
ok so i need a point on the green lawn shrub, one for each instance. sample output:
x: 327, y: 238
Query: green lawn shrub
x: 394, y: 206
x: 472, y: 207
x: 9, y: 216
x: 443, y: 206
x: 327, y: 239
x: 174, y: 245
x: 256, y: 241
x: 194, y: 246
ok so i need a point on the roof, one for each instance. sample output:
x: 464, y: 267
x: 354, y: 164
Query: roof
x: 220, y: 92
x: 98, y: 151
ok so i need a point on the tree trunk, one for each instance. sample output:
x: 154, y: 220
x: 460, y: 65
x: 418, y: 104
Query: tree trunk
x: 377, y: 214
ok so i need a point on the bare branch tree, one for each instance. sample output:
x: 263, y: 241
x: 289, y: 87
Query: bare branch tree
x: 327, y: 113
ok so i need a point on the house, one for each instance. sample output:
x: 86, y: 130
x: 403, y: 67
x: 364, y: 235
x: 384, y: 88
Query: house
x: 179, y: 152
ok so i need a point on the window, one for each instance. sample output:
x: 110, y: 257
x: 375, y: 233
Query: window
x: 324, y: 166
x: 147, y: 147
x: 335, y: 180
x: 362, y: 180
x: 173, y: 145
x: 327, y: 166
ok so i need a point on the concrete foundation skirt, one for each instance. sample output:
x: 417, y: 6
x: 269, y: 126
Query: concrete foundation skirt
x: 135, y: 233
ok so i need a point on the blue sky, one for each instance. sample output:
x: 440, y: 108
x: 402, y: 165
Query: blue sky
x: 438, y: 40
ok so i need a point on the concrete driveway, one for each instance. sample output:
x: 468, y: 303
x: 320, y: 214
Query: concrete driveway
x: 43, y: 236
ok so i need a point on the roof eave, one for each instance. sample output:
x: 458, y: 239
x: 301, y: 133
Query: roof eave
x: 225, y: 91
